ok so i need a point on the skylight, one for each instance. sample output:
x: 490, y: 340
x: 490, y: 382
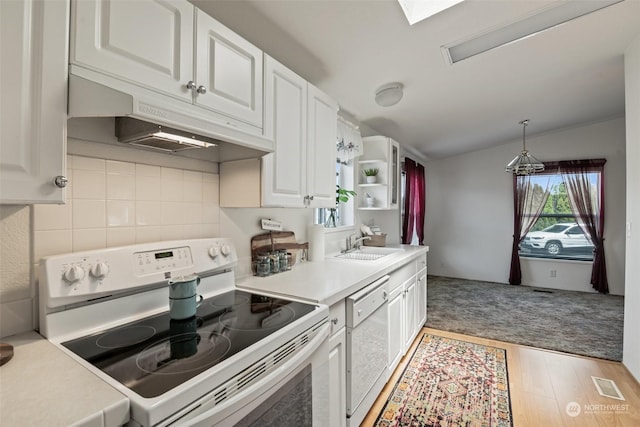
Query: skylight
x: 417, y: 10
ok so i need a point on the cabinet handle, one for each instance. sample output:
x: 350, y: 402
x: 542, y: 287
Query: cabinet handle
x: 334, y: 320
x: 60, y: 181
x: 384, y: 295
x: 201, y: 90
x: 191, y: 85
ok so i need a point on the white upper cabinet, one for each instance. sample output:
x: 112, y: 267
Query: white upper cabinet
x: 33, y: 113
x: 322, y: 132
x: 146, y: 42
x: 302, y: 122
x: 229, y: 71
x: 171, y: 48
x: 284, y: 172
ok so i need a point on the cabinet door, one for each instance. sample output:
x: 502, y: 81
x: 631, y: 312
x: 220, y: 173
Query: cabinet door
x: 321, y: 148
x: 396, y: 327
x: 284, y: 178
x: 421, y: 300
x: 230, y: 70
x: 33, y: 105
x: 337, y: 379
x: 410, y: 312
x: 148, y: 42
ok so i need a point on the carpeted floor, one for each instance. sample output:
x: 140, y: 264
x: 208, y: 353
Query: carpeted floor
x: 587, y: 324
x: 450, y: 383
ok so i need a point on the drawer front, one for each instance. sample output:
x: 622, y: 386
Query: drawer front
x: 337, y: 316
x: 421, y: 265
x: 401, y: 275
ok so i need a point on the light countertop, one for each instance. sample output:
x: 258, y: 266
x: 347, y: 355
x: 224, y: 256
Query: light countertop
x: 43, y: 386
x: 332, y: 279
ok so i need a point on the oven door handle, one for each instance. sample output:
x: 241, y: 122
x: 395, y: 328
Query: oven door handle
x: 205, y: 416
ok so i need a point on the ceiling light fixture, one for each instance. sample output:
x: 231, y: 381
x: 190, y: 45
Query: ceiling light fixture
x: 524, y: 163
x: 417, y: 10
x: 548, y: 18
x: 389, y: 94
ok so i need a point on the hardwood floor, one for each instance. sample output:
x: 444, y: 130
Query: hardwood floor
x: 542, y: 383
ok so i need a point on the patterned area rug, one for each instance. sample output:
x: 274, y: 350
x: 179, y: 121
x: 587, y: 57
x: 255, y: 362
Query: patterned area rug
x: 450, y: 383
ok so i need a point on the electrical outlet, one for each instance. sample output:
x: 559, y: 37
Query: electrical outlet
x: 552, y: 273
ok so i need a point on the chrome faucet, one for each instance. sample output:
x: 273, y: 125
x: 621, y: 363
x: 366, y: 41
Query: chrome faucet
x: 355, y: 244
x: 349, y: 241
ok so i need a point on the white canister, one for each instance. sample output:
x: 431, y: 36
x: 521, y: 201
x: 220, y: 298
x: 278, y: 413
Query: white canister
x: 316, y: 242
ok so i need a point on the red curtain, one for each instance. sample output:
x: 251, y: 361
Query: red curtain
x: 414, y: 202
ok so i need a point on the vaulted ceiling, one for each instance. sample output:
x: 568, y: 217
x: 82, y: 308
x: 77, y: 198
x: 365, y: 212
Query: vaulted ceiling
x: 566, y: 76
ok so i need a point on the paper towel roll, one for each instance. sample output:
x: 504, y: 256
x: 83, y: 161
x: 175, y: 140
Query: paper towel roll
x: 316, y: 242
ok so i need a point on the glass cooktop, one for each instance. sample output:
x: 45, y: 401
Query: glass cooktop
x: 153, y: 355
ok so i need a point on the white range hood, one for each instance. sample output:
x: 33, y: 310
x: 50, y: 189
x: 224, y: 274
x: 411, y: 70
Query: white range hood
x: 93, y: 95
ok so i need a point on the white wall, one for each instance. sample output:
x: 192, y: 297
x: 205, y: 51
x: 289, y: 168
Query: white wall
x: 631, y: 353
x: 469, y: 209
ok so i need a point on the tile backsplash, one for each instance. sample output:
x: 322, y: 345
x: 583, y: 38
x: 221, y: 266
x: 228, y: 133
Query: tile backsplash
x: 114, y: 203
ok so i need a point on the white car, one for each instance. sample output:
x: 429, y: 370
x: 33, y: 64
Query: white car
x: 561, y: 237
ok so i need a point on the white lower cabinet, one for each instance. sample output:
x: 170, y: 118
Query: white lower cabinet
x: 396, y: 327
x: 421, y: 291
x: 407, y: 309
x: 410, y: 330
x: 338, y: 379
x: 406, y: 313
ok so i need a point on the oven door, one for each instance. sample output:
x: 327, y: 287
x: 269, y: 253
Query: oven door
x: 296, y: 394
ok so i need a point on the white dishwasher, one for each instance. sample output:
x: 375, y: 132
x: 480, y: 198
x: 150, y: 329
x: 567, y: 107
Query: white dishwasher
x: 367, y: 348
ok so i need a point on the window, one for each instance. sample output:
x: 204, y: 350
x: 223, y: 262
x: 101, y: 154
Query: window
x: 556, y: 233
x: 344, y: 213
x: 348, y: 147
x: 543, y: 197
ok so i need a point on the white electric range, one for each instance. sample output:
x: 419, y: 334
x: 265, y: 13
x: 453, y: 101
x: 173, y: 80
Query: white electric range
x: 244, y: 359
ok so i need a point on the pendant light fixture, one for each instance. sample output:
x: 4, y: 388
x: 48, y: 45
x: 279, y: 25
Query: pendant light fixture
x: 524, y: 163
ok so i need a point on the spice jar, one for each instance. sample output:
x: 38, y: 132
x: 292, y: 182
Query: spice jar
x: 263, y: 265
x: 275, y: 263
x: 285, y: 260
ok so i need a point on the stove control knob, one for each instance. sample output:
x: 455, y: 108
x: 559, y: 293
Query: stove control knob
x: 74, y: 274
x: 225, y: 249
x: 214, y: 251
x: 100, y: 270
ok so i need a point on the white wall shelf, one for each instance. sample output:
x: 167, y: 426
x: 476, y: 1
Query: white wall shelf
x: 382, y: 153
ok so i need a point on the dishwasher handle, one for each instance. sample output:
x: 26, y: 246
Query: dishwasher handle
x: 363, y: 293
x: 364, y: 303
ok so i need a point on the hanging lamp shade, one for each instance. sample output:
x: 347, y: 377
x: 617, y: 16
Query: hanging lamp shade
x: 524, y: 163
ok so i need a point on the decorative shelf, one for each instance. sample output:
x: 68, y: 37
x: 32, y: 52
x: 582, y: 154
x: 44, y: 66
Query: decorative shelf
x: 366, y: 208
x: 377, y: 184
x: 367, y: 162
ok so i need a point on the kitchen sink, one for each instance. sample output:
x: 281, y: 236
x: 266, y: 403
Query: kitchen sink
x: 371, y: 253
